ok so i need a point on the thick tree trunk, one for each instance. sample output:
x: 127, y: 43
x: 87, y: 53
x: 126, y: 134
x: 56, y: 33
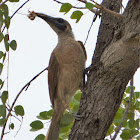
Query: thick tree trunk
x: 116, y: 59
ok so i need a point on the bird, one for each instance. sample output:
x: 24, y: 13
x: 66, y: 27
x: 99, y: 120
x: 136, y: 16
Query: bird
x: 65, y: 70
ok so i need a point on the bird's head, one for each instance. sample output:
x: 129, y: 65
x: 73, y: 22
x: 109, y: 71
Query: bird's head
x: 59, y: 25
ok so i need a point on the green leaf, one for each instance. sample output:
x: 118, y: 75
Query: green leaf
x: 125, y: 134
x: 76, y: 15
x: 6, y: 39
x: 137, y: 105
x: 131, y: 116
x: 126, y: 125
x: 37, y: 125
x: 4, y: 96
x: 7, y: 21
x: 1, y: 67
x: 19, y: 110
x: 11, y: 126
x: 40, y: 137
x: 110, y: 130
x: 1, y: 15
x: 77, y: 96
x: 14, y: 0
x: 2, y: 122
x: 50, y: 112
x: 137, y: 95
x: 117, y: 121
x: 1, y: 23
x: 131, y: 124
x: 43, y: 115
x: 127, y: 90
x: 66, y: 120
x: 2, y: 111
x: 65, y: 129
x: 89, y: 5
x: 137, y: 123
x: 75, y: 108
x: 1, y: 37
x: 33, y: 130
x: 73, y: 103
x: 138, y: 137
x: 4, y: 56
x: 1, y: 82
x: 5, y: 10
x: 1, y: 54
x: 13, y: 45
x: 119, y: 113
x: 66, y: 7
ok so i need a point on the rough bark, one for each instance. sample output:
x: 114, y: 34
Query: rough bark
x: 116, y: 59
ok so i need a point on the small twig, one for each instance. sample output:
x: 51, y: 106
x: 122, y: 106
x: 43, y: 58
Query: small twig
x: 9, y: 113
x: 126, y: 110
x: 3, y: 3
x: 16, y: 12
x: 19, y: 127
x: 16, y: 118
x: 94, y: 19
x: 72, y: 6
x: 134, y: 133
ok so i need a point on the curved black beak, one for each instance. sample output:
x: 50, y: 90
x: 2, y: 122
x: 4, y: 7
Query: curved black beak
x: 55, y: 23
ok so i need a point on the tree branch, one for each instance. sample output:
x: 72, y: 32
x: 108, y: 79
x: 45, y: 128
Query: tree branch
x: 95, y: 11
x: 26, y: 86
x: 126, y: 110
x: 94, y: 19
x: 99, y: 6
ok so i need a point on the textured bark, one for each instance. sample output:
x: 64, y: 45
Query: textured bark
x: 116, y: 59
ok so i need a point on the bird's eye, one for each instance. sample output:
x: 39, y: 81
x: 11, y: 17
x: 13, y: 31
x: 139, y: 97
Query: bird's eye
x: 60, y: 20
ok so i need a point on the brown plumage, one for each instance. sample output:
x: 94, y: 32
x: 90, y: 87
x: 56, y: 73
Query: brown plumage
x: 65, y: 72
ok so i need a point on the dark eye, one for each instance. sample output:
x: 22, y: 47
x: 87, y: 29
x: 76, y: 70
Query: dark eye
x: 60, y: 20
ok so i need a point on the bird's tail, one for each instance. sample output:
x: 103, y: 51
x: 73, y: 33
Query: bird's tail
x: 53, y: 132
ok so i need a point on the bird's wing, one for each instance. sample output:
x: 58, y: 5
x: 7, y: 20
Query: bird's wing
x: 85, y: 53
x: 53, y: 73
x: 84, y: 50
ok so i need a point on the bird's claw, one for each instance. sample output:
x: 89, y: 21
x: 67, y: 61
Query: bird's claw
x: 76, y: 116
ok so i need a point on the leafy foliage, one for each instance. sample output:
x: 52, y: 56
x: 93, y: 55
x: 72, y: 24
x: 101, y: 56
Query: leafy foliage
x: 130, y: 126
x: 5, y: 39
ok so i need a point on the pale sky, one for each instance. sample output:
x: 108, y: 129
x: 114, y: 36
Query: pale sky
x: 36, y: 40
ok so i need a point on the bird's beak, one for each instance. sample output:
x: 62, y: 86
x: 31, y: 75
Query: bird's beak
x: 53, y: 22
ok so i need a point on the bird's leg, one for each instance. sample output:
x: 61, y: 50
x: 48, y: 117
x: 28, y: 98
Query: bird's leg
x: 75, y: 115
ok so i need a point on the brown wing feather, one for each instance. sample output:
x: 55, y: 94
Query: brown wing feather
x: 84, y: 50
x: 85, y: 53
x: 53, y: 73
